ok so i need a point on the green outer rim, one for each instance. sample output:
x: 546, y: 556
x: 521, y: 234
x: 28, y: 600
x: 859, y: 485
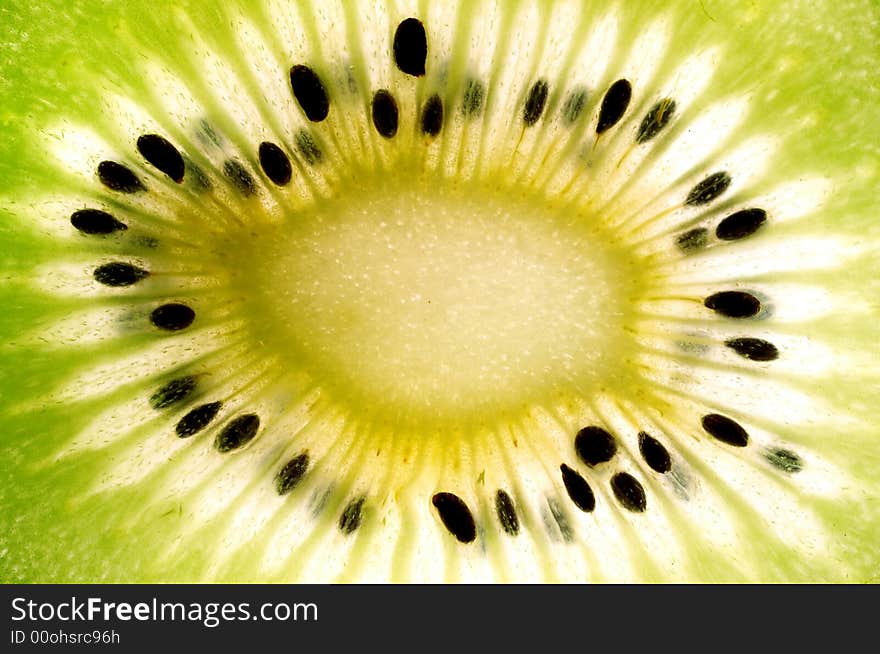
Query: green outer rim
x: 832, y: 71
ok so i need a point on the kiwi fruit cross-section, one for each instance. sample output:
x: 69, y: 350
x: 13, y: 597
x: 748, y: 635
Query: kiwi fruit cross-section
x: 416, y: 291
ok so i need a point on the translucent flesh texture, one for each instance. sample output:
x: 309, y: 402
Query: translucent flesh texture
x: 584, y: 269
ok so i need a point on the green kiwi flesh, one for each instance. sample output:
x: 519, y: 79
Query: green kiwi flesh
x: 439, y: 291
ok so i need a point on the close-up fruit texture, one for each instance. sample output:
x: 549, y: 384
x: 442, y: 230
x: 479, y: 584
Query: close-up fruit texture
x: 439, y: 291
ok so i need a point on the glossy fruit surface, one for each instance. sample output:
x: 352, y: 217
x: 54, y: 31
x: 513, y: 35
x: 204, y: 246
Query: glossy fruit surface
x: 591, y: 297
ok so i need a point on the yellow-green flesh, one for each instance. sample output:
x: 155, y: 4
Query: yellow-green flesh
x: 440, y: 314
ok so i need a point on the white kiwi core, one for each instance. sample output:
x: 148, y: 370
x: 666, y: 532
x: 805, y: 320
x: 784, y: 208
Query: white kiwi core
x: 425, y: 298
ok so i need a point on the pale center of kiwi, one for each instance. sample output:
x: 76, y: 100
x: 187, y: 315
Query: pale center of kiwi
x: 426, y: 298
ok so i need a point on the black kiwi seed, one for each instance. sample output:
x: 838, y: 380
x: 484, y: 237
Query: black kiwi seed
x: 309, y: 91
x: 163, y: 155
x: 595, y: 445
x: 733, y: 304
x: 456, y: 516
x: 275, y: 163
x: 118, y: 273
x: 654, y: 453
x: 95, y: 221
x: 292, y: 473
x: 614, y: 105
x: 472, y: 102
x: 411, y: 47
x: 785, y: 460
x: 656, y: 119
x: 693, y: 239
x: 197, y: 419
x: 708, y: 189
x: 174, y: 392
x: 239, y: 176
x: 740, y: 224
x: 350, y: 519
x: 237, y: 433
x: 432, y: 116
x: 308, y: 148
x: 574, y: 105
x: 506, y: 512
x: 629, y: 492
x: 725, y: 430
x: 385, y: 113
x: 535, y: 102
x: 117, y: 177
x: 172, y: 316
x: 754, y: 349
x: 578, y: 489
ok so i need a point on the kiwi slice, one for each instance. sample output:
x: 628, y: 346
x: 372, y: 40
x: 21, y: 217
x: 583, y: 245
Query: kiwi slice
x: 439, y: 291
